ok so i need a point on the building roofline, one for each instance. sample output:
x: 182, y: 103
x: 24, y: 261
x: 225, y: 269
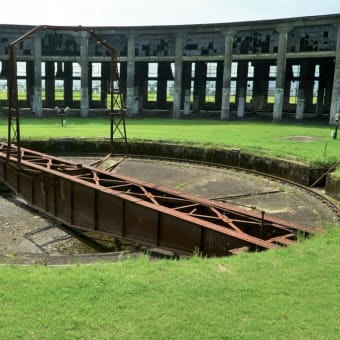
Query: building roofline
x: 237, y: 25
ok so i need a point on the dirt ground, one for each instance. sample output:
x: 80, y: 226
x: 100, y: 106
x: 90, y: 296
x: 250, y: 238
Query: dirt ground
x: 25, y: 236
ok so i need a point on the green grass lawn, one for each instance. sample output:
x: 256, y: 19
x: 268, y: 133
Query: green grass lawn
x: 292, y: 293
x: 258, y: 137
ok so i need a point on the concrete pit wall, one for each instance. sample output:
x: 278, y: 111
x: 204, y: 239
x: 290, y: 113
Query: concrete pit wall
x: 333, y: 186
x: 294, y: 171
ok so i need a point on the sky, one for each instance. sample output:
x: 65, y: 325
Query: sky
x: 156, y: 12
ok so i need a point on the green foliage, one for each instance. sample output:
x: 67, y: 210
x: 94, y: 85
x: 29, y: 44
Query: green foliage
x: 336, y: 173
x: 292, y: 293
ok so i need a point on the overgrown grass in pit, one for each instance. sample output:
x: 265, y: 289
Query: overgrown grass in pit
x: 292, y: 293
x: 257, y: 137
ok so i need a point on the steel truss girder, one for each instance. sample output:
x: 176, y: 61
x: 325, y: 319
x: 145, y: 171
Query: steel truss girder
x: 117, y: 110
x: 92, y: 199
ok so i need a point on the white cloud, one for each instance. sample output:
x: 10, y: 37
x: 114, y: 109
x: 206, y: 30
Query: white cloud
x: 153, y: 12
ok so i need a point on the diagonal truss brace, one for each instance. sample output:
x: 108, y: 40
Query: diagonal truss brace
x: 249, y: 226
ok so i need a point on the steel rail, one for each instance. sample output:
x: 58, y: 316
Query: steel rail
x: 92, y: 199
x: 332, y: 205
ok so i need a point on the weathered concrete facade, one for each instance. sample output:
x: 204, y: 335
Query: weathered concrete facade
x: 285, y: 65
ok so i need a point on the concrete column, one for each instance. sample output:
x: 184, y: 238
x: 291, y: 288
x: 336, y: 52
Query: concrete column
x: 335, y: 104
x: 306, y: 84
x: 199, y: 86
x: 319, y: 109
x: 329, y: 69
x: 36, y: 100
x: 228, y: 51
x: 178, y: 76
x: 105, y: 75
x: 309, y: 87
x: 300, y: 105
x: 141, y: 82
x: 219, y: 85
x: 84, y: 77
x: 131, y: 100
x: 260, y: 87
x: 288, y: 80
x: 187, y: 103
x: 68, y: 90
x: 280, y: 76
x: 29, y: 83
x: 186, y: 87
x: 49, y: 84
x: 163, y: 76
x: 241, y: 90
x: 122, y: 80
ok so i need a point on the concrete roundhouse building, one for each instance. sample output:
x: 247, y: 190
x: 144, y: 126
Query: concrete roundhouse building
x: 278, y: 66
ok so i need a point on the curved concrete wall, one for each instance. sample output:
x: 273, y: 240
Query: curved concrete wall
x: 294, y: 171
x: 274, y: 65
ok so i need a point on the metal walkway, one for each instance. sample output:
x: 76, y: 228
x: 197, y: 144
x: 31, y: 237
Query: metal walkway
x: 87, y: 198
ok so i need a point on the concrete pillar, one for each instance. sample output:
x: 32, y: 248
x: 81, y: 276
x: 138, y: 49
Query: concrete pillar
x: 29, y: 83
x: 131, y: 100
x: 186, y: 86
x: 306, y: 84
x: 36, y: 100
x: 300, y: 108
x: 199, y: 85
x: 241, y: 89
x: 163, y: 76
x: 178, y: 76
x: 219, y: 85
x: 287, y: 84
x: 122, y: 80
x: 49, y: 84
x: 335, y: 104
x: 228, y: 51
x: 320, y: 99
x: 329, y: 69
x: 300, y: 105
x: 319, y: 109
x: 105, y: 75
x: 309, y: 87
x: 280, y: 76
x: 84, y: 77
x: 68, y: 90
x: 187, y: 103
x: 260, y: 86
x: 141, y: 82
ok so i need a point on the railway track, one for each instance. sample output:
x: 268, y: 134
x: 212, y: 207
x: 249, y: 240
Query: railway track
x: 93, y: 199
x: 329, y: 203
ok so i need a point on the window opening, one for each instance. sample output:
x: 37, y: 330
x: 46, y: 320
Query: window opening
x: 96, y: 89
x: 234, y: 67
x: 59, y: 89
x: 271, y: 91
x: 76, y: 89
x: 211, y: 70
x: 170, y: 86
x: 152, y: 90
x: 272, y: 71
x: 210, y: 91
x: 3, y: 89
x: 249, y: 95
x: 153, y: 70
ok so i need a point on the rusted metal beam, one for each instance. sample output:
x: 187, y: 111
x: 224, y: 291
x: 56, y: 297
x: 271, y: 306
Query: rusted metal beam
x: 92, y: 199
x: 117, y: 111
